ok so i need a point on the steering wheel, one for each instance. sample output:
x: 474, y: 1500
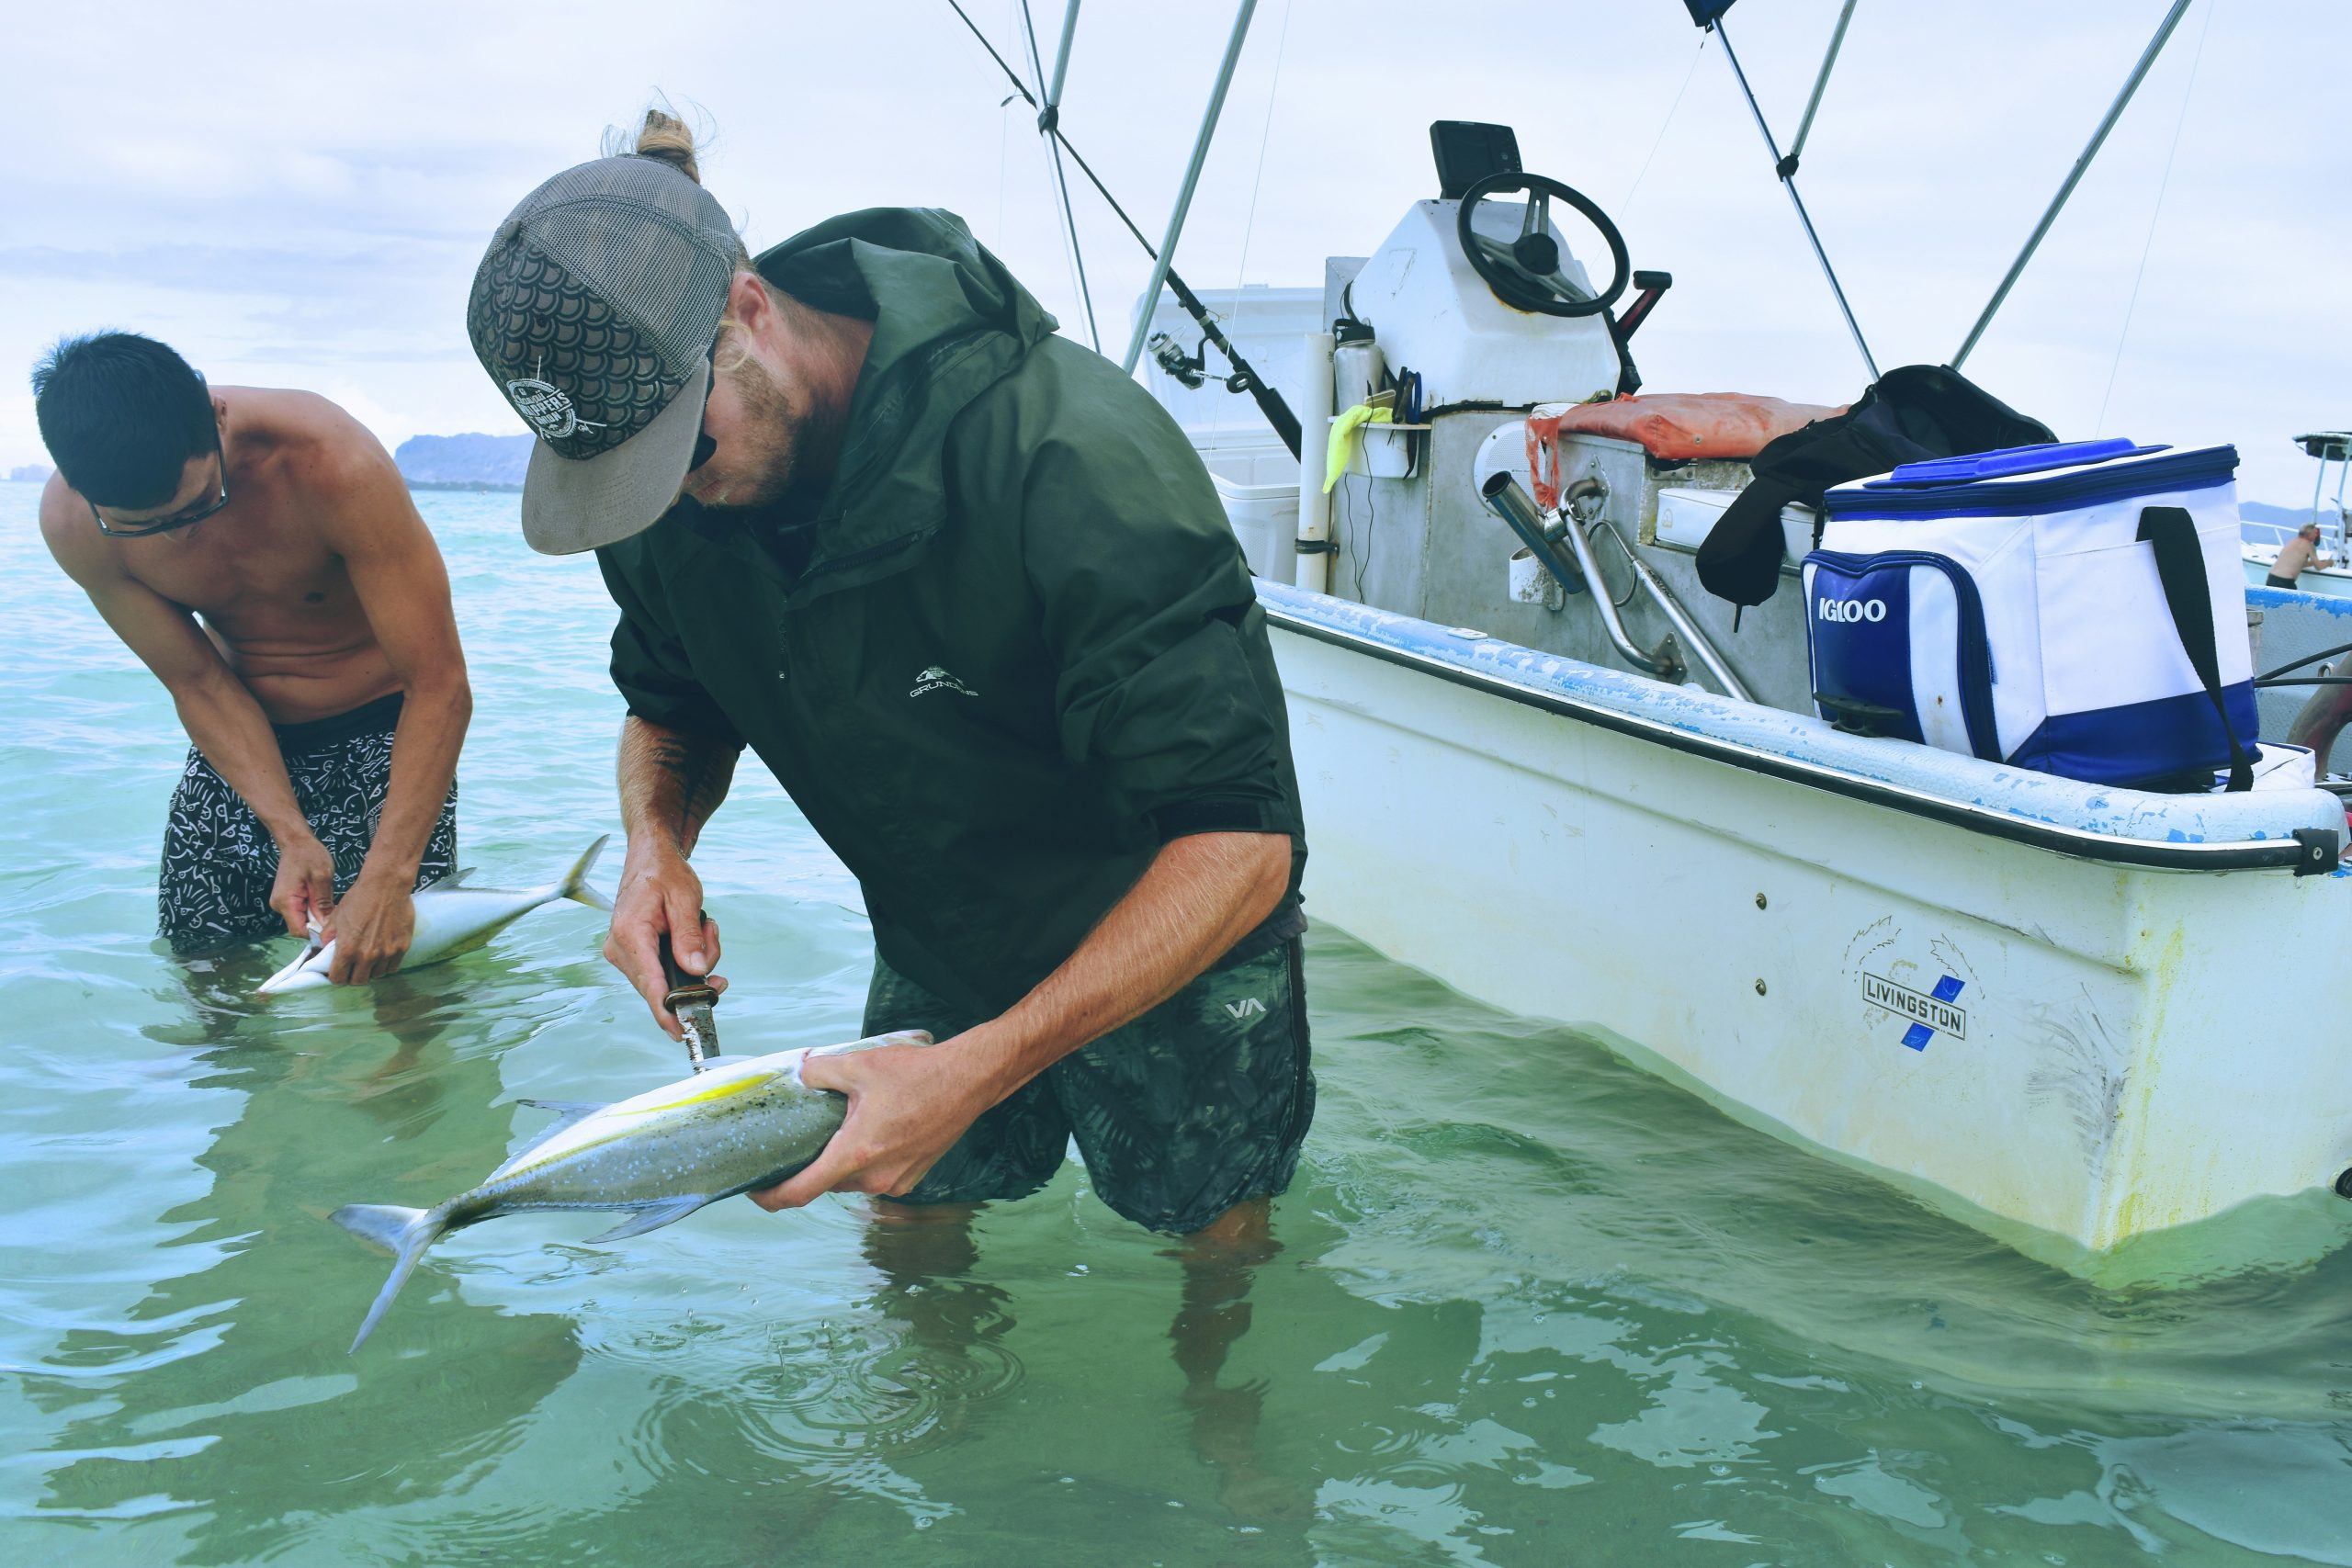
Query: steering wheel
x: 1525, y: 274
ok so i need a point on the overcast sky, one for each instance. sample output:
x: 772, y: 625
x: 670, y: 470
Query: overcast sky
x: 297, y: 195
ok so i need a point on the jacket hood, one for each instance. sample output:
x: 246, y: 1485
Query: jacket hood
x: 949, y: 319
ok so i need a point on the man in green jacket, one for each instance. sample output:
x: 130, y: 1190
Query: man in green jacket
x: 969, y: 594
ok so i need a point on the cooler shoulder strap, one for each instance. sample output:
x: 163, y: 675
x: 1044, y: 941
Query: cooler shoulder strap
x: 2181, y: 566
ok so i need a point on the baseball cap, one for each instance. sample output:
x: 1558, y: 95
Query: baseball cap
x: 595, y: 312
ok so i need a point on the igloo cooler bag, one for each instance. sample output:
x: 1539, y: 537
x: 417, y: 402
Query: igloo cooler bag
x: 2075, y: 608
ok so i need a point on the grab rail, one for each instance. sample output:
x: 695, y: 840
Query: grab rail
x: 1509, y: 500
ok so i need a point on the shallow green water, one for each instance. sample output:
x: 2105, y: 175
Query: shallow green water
x: 1531, y: 1306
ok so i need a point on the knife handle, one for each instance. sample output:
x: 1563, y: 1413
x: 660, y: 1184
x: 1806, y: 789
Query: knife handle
x: 684, y: 988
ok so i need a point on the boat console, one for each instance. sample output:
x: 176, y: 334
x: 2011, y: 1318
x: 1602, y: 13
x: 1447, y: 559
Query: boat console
x: 1478, y: 298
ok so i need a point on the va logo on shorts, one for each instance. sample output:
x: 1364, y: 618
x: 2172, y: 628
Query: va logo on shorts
x: 1248, y: 1006
x: 935, y: 679
x: 546, y: 406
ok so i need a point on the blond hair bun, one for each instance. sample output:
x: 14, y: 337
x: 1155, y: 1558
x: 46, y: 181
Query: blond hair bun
x: 666, y: 136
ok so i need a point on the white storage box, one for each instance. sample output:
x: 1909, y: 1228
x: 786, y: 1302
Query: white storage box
x: 1259, y: 485
x: 1685, y: 518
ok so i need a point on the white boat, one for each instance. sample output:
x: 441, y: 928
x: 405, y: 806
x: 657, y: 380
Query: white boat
x: 2045, y: 1005
x: 2264, y: 540
x: 2037, y: 996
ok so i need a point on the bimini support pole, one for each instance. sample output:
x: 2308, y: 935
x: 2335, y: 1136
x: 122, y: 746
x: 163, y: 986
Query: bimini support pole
x: 1244, y: 376
x: 1786, y: 169
x: 1191, y: 177
x: 1049, y: 118
x: 1804, y: 126
x: 2073, y: 177
x: 1061, y: 62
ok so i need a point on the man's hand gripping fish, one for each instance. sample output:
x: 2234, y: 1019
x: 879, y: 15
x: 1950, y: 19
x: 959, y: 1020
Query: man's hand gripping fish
x: 450, y: 919
x: 660, y: 1156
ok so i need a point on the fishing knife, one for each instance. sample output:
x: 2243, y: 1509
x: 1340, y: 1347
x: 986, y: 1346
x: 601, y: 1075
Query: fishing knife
x: 690, y: 999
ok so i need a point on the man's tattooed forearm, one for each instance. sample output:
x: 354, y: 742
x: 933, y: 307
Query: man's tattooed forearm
x: 703, y: 773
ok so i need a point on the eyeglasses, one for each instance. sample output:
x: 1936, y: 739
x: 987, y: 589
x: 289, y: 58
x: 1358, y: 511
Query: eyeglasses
x: 185, y: 519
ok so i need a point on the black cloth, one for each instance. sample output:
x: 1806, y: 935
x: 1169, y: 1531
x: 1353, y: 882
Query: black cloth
x: 1911, y: 414
x: 2275, y: 580
x: 219, y: 862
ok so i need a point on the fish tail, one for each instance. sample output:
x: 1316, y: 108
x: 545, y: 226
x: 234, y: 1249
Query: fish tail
x: 404, y: 1232
x: 574, y: 884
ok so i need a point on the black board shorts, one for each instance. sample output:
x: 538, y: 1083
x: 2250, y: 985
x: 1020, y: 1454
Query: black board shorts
x: 1200, y: 1104
x: 2275, y: 580
x: 219, y: 862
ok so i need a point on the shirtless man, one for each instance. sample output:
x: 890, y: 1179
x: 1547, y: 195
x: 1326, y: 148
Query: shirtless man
x: 2295, y: 556
x: 258, y: 552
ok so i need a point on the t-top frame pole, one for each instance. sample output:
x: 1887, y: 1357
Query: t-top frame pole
x: 1820, y: 82
x: 2073, y: 177
x: 1049, y: 118
x: 1788, y: 181
x: 1061, y: 60
x: 1192, y: 178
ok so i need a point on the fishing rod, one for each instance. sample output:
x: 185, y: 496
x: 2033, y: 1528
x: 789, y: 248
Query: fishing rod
x: 1244, y: 376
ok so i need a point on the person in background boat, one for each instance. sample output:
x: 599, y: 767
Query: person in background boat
x: 2294, y: 556
x: 968, y: 592
x: 258, y: 552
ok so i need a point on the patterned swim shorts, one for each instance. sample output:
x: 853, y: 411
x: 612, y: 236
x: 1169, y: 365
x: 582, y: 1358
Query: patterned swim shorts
x: 1198, y: 1105
x: 219, y: 862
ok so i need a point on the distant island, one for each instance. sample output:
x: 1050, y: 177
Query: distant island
x: 2257, y: 512
x: 464, y: 462
x: 31, y: 474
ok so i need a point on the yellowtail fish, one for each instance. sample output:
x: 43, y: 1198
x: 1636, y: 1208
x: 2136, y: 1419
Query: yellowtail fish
x: 658, y: 1156
x: 450, y: 919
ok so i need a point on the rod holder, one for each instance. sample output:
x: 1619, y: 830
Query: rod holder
x: 1508, y: 500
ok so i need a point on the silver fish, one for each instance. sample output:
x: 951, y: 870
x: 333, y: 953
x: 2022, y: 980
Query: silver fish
x: 660, y: 1155
x: 450, y: 919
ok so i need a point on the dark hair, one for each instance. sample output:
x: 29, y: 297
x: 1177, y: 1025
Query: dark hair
x: 121, y: 415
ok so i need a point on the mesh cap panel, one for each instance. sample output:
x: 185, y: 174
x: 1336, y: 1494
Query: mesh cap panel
x: 599, y: 298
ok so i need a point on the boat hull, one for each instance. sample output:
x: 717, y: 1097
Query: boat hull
x: 2059, y: 1042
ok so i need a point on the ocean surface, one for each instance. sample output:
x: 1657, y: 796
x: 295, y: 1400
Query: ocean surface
x: 1530, y: 1306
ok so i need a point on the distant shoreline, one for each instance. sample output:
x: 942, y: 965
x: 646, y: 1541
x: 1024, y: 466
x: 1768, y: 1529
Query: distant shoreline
x: 464, y: 484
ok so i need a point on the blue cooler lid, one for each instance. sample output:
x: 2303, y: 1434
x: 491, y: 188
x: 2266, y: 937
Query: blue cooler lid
x: 2021, y: 480
x: 2007, y: 462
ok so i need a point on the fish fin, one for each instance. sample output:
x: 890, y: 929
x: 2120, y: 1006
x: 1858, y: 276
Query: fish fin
x: 567, y: 1112
x: 404, y: 1232
x: 574, y: 884
x: 653, y: 1216
x: 454, y: 879
x: 286, y: 979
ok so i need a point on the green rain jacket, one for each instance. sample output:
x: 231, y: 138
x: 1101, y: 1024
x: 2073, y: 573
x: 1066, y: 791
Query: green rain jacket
x: 1023, y: 652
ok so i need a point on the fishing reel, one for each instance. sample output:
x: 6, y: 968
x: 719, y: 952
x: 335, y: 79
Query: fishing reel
x: 1189, y: 370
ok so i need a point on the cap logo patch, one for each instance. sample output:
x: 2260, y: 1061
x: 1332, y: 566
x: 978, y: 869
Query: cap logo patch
x: 546, y: 406
x: 585, y: 377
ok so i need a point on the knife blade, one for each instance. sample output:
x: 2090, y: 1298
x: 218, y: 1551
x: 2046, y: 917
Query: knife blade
x: 690, y: 999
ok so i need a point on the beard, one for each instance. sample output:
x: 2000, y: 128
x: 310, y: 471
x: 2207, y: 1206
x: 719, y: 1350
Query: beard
x: 766, y: 458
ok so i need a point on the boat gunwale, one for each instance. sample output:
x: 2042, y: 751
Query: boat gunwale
x: 2283, y: 854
